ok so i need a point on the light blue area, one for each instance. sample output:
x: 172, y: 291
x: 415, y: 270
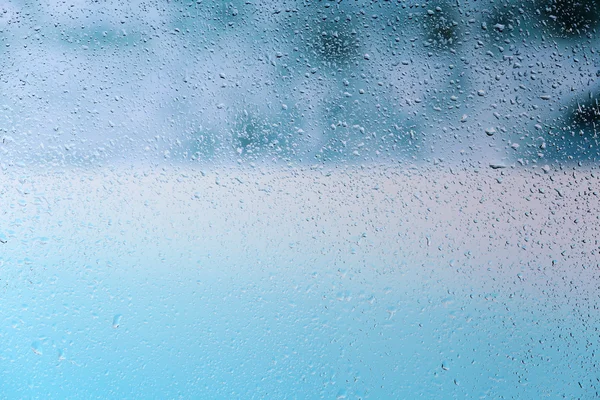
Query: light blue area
x: 247, y: 325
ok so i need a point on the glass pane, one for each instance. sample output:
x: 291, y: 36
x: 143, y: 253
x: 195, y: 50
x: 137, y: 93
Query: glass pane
x: 299, y: 199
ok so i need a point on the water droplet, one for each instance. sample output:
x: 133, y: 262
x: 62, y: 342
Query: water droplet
x: 116, y: 321
x: 37, y: 348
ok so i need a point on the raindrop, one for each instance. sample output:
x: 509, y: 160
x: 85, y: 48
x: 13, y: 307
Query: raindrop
x: 37, y: 347
x: 116, y: 321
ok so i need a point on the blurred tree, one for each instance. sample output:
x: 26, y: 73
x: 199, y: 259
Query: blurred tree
x: 570, y: 18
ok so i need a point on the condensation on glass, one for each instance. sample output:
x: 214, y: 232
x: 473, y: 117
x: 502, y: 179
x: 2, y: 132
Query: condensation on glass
x: 299, y: 199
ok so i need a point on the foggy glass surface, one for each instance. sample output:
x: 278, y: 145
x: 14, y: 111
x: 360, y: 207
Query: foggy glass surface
x: 299, y: 199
